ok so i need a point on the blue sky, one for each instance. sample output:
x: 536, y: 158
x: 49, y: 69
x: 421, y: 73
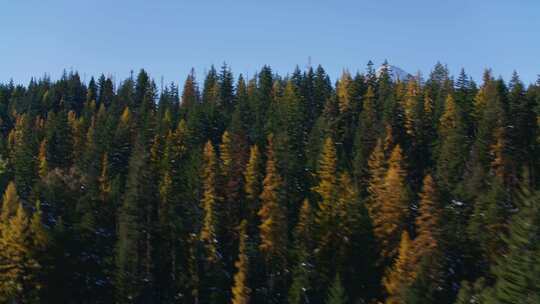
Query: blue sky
x: 167, y: 38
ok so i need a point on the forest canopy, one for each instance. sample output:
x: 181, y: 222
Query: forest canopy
x: 271, y: 189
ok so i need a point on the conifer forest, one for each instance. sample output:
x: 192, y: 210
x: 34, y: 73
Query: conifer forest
x: 293, y: 188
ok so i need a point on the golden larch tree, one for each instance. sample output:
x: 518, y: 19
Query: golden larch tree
x: 208, y: 231
x: 240, y: 290
x: 391, y: 205
x: 399, y: 275
x: 427, y: 222
x: 273, y: 227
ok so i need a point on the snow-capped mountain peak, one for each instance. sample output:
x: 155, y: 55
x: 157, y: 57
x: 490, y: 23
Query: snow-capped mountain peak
x: 394, y: 72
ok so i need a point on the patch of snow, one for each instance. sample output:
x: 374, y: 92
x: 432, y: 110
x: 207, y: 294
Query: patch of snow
x: 458, y: 203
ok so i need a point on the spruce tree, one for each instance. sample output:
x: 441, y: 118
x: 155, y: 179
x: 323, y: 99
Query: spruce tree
x: 516, y: 272
x: 452, y: 147
x: 22, y: 152
x: 336, y: 294
x: 366, y: 139
x: 134, y: 252
x: 300, y: 289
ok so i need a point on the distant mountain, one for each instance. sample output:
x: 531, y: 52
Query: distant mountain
x: 395, y: 72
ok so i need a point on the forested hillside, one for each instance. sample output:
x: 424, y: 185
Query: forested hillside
x: 271, y: 189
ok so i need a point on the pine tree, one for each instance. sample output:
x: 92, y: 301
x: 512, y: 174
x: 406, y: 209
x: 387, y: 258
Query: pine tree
x: 522, y: 116
x: 366, y: 139
x: 134, y: 279
x: 119, y: 152
x: 336, y: 294
x: 452, y: 147
x: 22, y: 152
x: 517, y: 272
x: 59, y: 141
x: 473, y: 293
x: 302, y: 272
x: 450, y: 119
x: 492, y: 211
x: 240, y: 290
x: 291, y: 156
x: 226, y: 89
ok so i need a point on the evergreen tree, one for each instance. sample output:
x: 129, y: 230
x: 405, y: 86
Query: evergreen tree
x: 472, y: 293
x: 452, y: 146
x: 134, y: 274
x: 240, y: 289
x: 336, y: 294
x: 138, y: 199
x: 517, y: 272
x: 366, y: 138
x: 303, y: 234
x: 22, y: 151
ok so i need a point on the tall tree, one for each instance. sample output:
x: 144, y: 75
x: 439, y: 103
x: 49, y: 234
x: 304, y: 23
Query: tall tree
x: 336, y: 294
x: 389, y: 201
x: 22, y: 240
x: 300, y: 289
x: 273, y: 227
x: 240, y: 289
x: 452, y: 147
x: 400, y: 275
x: 516, y: 272
x: 209, y: 201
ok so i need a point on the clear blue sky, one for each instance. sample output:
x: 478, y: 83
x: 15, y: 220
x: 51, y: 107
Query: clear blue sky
x: 167, y: 38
